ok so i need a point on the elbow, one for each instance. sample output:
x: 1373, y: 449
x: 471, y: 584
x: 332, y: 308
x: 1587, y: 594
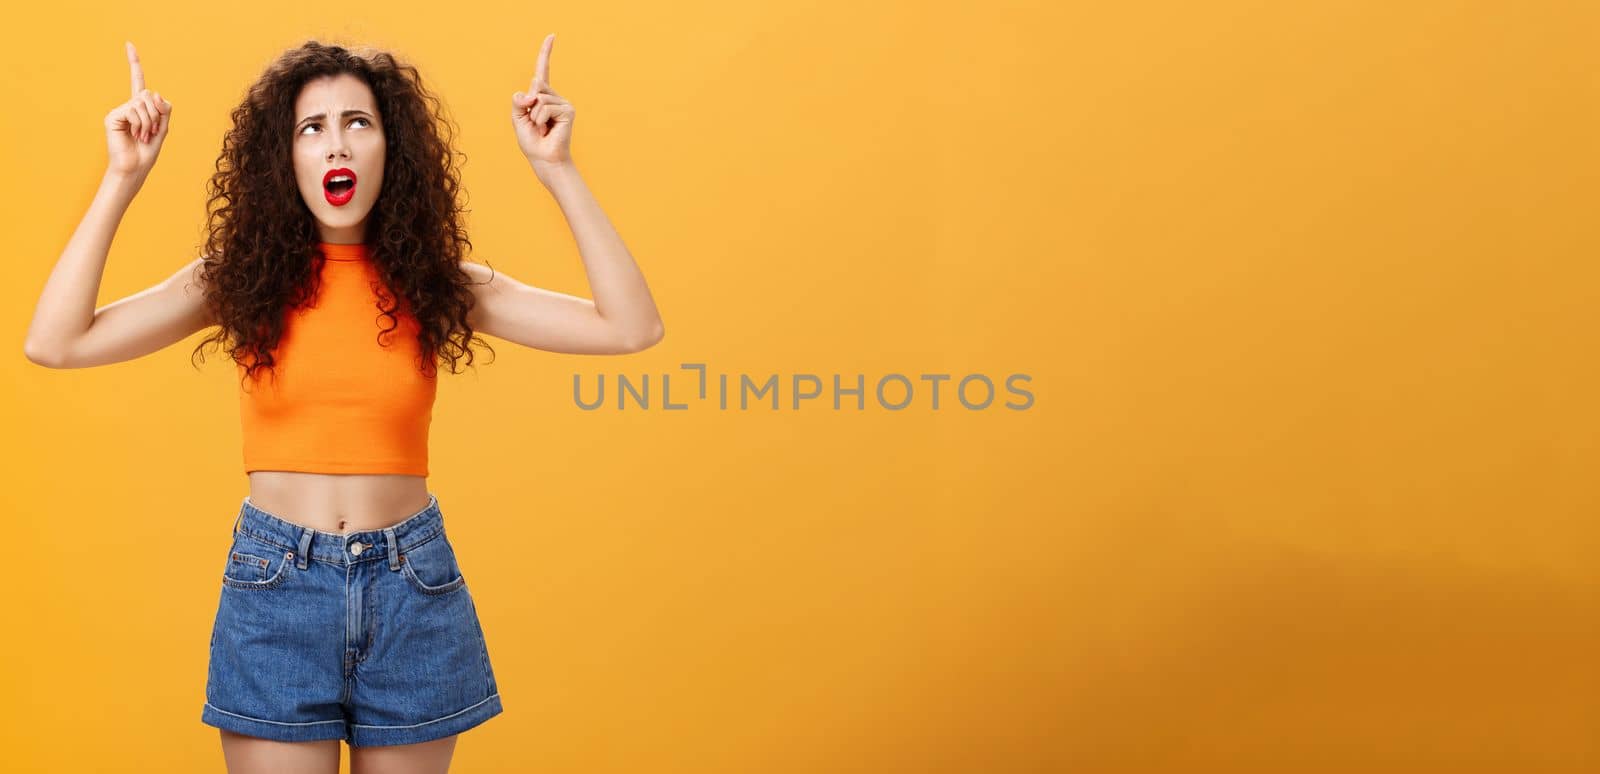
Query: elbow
x: 40, y: 355
x: 650, y: 338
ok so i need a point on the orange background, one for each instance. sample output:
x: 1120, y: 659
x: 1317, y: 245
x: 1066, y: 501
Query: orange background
x: 1307, y: 293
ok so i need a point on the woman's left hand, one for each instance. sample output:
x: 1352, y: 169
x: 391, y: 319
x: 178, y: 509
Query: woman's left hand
x: 542, y: 119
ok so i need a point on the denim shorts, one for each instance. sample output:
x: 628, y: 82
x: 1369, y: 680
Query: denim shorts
x: 370, y: 637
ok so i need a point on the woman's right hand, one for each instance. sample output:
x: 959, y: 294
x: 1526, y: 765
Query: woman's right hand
x: 135, y: 129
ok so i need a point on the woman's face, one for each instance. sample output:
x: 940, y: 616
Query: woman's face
x: 338, y: 132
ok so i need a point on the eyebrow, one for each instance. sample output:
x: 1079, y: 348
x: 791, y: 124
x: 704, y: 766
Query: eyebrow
x: 345, y: 114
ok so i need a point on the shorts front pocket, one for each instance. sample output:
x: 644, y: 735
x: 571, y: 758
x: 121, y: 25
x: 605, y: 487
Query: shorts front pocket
x: 431, y: 567
x: 255, y: 565
x: 245, y: 568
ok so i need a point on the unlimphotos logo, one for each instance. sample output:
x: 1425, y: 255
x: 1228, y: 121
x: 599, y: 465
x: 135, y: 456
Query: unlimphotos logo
x: 974, y: 392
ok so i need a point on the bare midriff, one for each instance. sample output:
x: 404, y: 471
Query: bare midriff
x: 342, y: 502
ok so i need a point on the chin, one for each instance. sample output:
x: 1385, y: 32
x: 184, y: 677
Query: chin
x: 342, y: 217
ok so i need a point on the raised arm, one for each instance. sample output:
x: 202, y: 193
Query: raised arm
x: 67, y: 331
x: 622, y: 317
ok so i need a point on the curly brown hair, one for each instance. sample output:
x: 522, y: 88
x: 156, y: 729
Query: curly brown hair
x: 261, y: 254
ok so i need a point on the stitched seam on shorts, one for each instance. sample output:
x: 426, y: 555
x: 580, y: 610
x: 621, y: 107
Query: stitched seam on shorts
x: 273, y: 722
x: 446, y: 717
x: 430, y: 537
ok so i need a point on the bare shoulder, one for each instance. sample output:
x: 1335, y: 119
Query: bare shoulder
x: 479, y: 273
x: 192, y: 285
x: 486, y: 284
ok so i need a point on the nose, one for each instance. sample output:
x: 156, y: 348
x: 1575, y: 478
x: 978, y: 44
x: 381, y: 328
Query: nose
x: 338, y: 146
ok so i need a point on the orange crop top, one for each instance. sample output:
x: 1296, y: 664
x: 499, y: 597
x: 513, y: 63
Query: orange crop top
x: 342, y: 401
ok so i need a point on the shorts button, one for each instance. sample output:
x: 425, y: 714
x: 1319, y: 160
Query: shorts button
x: 356, y: 548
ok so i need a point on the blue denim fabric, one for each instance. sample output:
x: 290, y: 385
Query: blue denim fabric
x: 317, y: 639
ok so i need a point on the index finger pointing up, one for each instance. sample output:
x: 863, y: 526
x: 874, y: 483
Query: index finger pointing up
x: 541, y: 73
x: 133, y: 66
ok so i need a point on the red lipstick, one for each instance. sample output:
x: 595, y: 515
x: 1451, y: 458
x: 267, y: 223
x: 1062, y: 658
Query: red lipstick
x: 339, y: 194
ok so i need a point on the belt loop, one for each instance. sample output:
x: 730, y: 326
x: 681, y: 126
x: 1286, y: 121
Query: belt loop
x: 394, y: 548
x: 305, y: 548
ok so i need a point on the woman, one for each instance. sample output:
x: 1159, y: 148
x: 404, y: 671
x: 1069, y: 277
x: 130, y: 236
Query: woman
x: 334, y: 273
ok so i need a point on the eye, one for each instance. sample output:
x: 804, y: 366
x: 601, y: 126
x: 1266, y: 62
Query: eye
x: 353, y: 120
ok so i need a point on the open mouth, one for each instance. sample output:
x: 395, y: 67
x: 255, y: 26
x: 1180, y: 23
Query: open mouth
x: 339, y: 186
